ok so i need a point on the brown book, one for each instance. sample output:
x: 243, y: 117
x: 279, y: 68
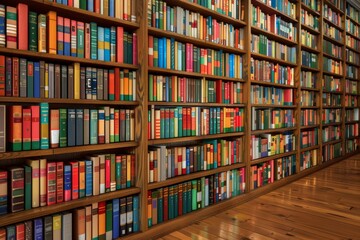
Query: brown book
x: 88, y: 223
x: 96, y: 175
x: 42, y: 79
x: 16, y: 187
x: 2, y: 128
x: 79, y: 221
x: 57, y: 85
x: 95, y: 221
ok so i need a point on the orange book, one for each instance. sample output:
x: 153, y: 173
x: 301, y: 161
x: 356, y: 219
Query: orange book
x: 126, y: 84
x: 102, y: 219
x: 79, y: 223
x: 117, y: 84
x: 54, y: 128
x: 111, y: 91
x: 23, y: 37
x: 26, y: 131
x: 51, y: 32
x: 42, y: 33
x: 16, y: 128
x: 120, y: 44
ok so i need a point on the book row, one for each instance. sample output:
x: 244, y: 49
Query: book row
x: 20, y: 77
x: 271, y: 95
x: 308, y: 98
x: 266, y: 145
x: 168, y: 162
x: 332, y: 49
x: 352, y: 115
x: 351, y: 101
x: 170, y: 54
x: 352, y: 72
x: 331, y: 100
x: 308, y: 79
x: 331, y: 15
x: 43, y: 183
x: 330, y: 65
x: 273, y: 24
x: 38, y: 127
x: 331, y: 133
x: 172, y: 122
x: 338, y: 4
x: 226, y: 7
x: 309, y: 59
x: 193, y: 90
x: 352, y: 12
x: 331, y: 84
x: 124, y: 10
x: 352, y: 28
x: 308, y: 138
x: 193, y: 24
x: 308, y: 159
x: 285, y: 166
x: 308, y: 117
x: 332, y: 32
x: 63, y: 36
x: 331, y: 116
x: 272, y: 118
x: 284, y: 6
x: 351, y: 86
x: 313, y: 4
x: 177, y: 200
x: 352, y: 42
x: 309, y: 39
x: 100, y: 220
x: 351, y: 130
x: 331, y: 151
x: 261, y: 70
x: 351, y: 145
x: 262, y: 45
x: 352, y: 57
x: 309, y: 20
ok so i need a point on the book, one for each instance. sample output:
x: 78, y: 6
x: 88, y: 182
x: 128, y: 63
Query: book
x: 116, y: 218
x: 16, y: 188
x: 42, y: 33
x: 67, y: 182
x: 81, y: 178
x: 2, y: 26
x: 33, y: 31
x: 54, y: 128
x: 44, y: 125
x: 15, y: 135
x: 38, y: 228
x: 67, y: 226
x: 27, y: 187
x: 71, y: 127
x: 109, y: 219
x: 2, y: 128
x: 51, y: 183
x: 59, y: 182
x: 88, y: 223
x: 28, y: 230
x: 88, y: 178
x: 48, y: 227
x: 23, y: 18
x: 95, y: 221
x: 75, y: 180
x: 79, y: 227
x: 35, y: 182
x: 43, y: 182
x: 79, y: 127
x: 57, y: 224
x: 3, y: 192
x: 11, y: 27
x: 51, y: 32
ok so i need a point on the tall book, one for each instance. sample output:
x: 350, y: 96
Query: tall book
x: 20, y: 231
x: 11, y: 27
x: 71, y: 127
x: 48, y: 228
x: 43, y: 182
x: 23, y: 18
x: 42, y: 33
x: 28, y: 230
x: 116, y: 218
x: 109, y: 219
x: 67, y: 183
x: 95, y: 221
x: 67, y: 226
x: 80, y: 39
x: 26, y: 131
x: 35, y: 182
x: 38, y: 228
x: 81, y: 178
x: 44, y: 125
x: 63, y: 127
x: 2, y: 74
x: 57, y: 227
x: 79, y: 127
x: 2, y: 26
x: 102, y: 220
x: 59, y: 182
x: 35, y: 127
x: 79, y: 223
x: 33, y: 32
x: 88, y: 223
x: 96, y: 174
x: 16, y: 188
x: 27, y: 187
x: 51, y: 32
x: 76, y: 80
x: 51, y: 183
x: 75, y: 180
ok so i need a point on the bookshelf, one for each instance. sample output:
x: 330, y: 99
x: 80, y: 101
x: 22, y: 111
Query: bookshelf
x: 220, y: 110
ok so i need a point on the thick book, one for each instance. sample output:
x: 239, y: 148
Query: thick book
x: 35, y: 182
x: 75, y: 180
x: 80, y: 40
x: 28, y: 230
x: 43, y: 181
x: 27, y: 187
x: 33, y: 31
x: 63, y: 127
x: 102, y: 220
x: 15, y: 136
x: 30, y: 79
x: 71, y: 127
x: 38, y: 228
x: 88, y: 178
x: 96, y: 174
x: 67, y: 183
x: 35, y: 127
x: 15, y: 77
x: 44, y: 126
x: 20, y: 231
x: 51, y: 183
x: 16, y: 189
x: 26, y: 131
x: 54, y: 128
x: 67, y: 34
x: 93, y: 126
x: 2, y: 26
x: 23, y: 18
x: 11, y: 27
x: 73, y: 38
x: 116, y: 218
x: 81, y: 178
x: 88, y: 223
x: 60, y: 35
x: 51, y: 32
x: 3, y: 192
x: 22, y: 78
x: 10, y: 232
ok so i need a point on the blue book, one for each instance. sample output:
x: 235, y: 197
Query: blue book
x: 165, y: 53
x: 38, y: 229
x: 101, y: 43
x: 161, y: 52
x: 37, y: 79
x: 187, y: 161
x: 107, y: 44
x: 44, y: 123
x: 116, y: 219
x: 231, y: 65
x: 118, y: 174
x: 94, y: 83
x: 112, y: 8
x: 88, y: 178
x: 10, y: 232
x: 90, y: 5
x: 67, y: 181
x: 136, y: 226
x: 71, y: 136
x: 65, y: 2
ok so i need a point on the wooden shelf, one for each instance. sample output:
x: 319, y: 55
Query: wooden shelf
x: 331, y: 142
x: 332, y: 92
x: 310, y: 89
x: 352, y: 94
x: 353, y: 20
x: 195, y: 175
x: 309, y: 126
x: 310, y: 10
x: 206, y: 12
x: 332, y: 57
x: 351, y: 122
x: 346, y: 107
x: 306, y: 68
x: 22, y: 216
x: 353, y: 79
x: 350, y: 34
x: 191, y: 74
x: 265, y: 159
x: 333, y: 40
x: 271, y: 59
x: 67, y: 101
x: 309, y: 148
x: 273, y: 36
x: 197, y: 42
x: 186, y: 104
x: 309, y: 107
x: 332, y: 74
x: 327, y: 21
x: 272, y: 84
x: 352, y: 49
x: 167, y: 141
x: 269, y: 10
x: 54, y: 58
x: 309, y: 49
x: 331, y: 124
x: 333, y: 7
x: 272, y: 130
x: 65, y: 150
x: 273, y: 106
x: 310, y: 29
x: 353, y: 64
x: 351, y: 138
x: 331, y: 107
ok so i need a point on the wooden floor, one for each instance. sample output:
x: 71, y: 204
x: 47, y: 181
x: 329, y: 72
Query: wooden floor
x: 324, y: 205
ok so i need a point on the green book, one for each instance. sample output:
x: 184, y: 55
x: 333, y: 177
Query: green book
x: 203, y: 192
x: 93, y: 41
x: 151, y: 88
x: 180, y: 122
x: 93, y: 126
x: 33, y: 32
x: 117, y: 136
x: 83, y: 4
x: 160, y: 206
x: 109, y: 220
x: 130, y: 48
x: 184, y: 197
x: 112, y: 173
x: 44, y: 126
x: 27, y: 184
x: 172, y: 123
x: 176, y: 201
x: 126, y: 43
x: 80, y: 39
x: 156, y: 52
x: 63, y: 127
x: 118, y: 172
x: 194, y: 195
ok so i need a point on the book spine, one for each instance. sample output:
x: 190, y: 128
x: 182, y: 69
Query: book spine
x: 42, y: 33
x: 17, y: 197
x: 59, y: 182
x: 11, y: 27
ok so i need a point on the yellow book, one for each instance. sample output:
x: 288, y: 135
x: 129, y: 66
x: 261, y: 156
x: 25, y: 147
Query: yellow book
x: 42, y: 182
x: 57, y: 227
x: 76, y: 80
x: 168, y: 51
x: 42, y: 33
x: 126, y: 84
x: 35, y: 182
x: 51, y: 32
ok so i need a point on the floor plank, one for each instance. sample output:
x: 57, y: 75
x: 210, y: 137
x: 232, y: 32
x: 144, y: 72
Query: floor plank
x: 323, y: 205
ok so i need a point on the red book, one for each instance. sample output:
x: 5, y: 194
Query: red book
x: 107, y: 173
x: 60, y: 35
x: 120, y: 44
x: 75, y: 180
x: 66, y: 35
x: 51, y: 183
x: 219, y: 91
x: 59, y: 182
x: 132, y: 170
x: 70, y: 3
x: 97, y: 6
x: 35, y: 127
x: 23, y: 25
x: 111, y: 91
x: 167, y: 192
x: 16, y: 128
x: 134, y: 48
x: 15, y: 77
x: 87, y: 40
x: 2, y: 76
x: 151, y: 51
x: 117, y: 84
x: 26, y: 131
x: 116, y: 124
x: 20, y: 231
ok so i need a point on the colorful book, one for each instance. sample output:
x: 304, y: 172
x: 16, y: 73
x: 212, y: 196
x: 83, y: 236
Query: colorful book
x: 75, y: 180
x: 44, y: 126
x: 54, y: 128
x: 67, y: 182
x: 3, y: 192
x: 42, y: 33
x: 59, y: 182
x: 16, y: 188
x: 51, y: 183
x: 16, y: 128
x: 11, y: 27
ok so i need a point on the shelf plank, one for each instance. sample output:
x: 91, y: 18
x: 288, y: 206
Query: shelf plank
x: 25, y: 154
x: 353, y: 64
x: 232, y: 105
x: 309, y: 49
x: 352, y: 49
x: 347, y: 107
x: 309, y: 148
x: 352, y: 94
x: 352, y: 35
x: 353, y: 20
x: 351, y: 78
x: 331, y: 92
x: 195, y: 175
x: 310, y: 89
x: 331, y: 142
x: 274, y: 130
x: 67, y: 101
x: 273, y: 106
x: 332, y: 57
x: 198, y: 42
x: 351, y: 122
x: 195, y: 138
x: 351, y: 138
x: 272, y: 84
x: 333, y: 40
x: 310, y: 126
x: 309, y: 107
x: 306, y: 68
x: 265, y: 159
x: 327, y: 21
x: 22, y: 216
x: 269, y: 10
x: 332, y: 74
x: 273, y: 36
x: 331, y: 107
x: 331, y: 124
x: 310, y: 10
x: 191, y: 74
x: 310, y: 29
x: 271, y: 59
x: 63, y: 59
